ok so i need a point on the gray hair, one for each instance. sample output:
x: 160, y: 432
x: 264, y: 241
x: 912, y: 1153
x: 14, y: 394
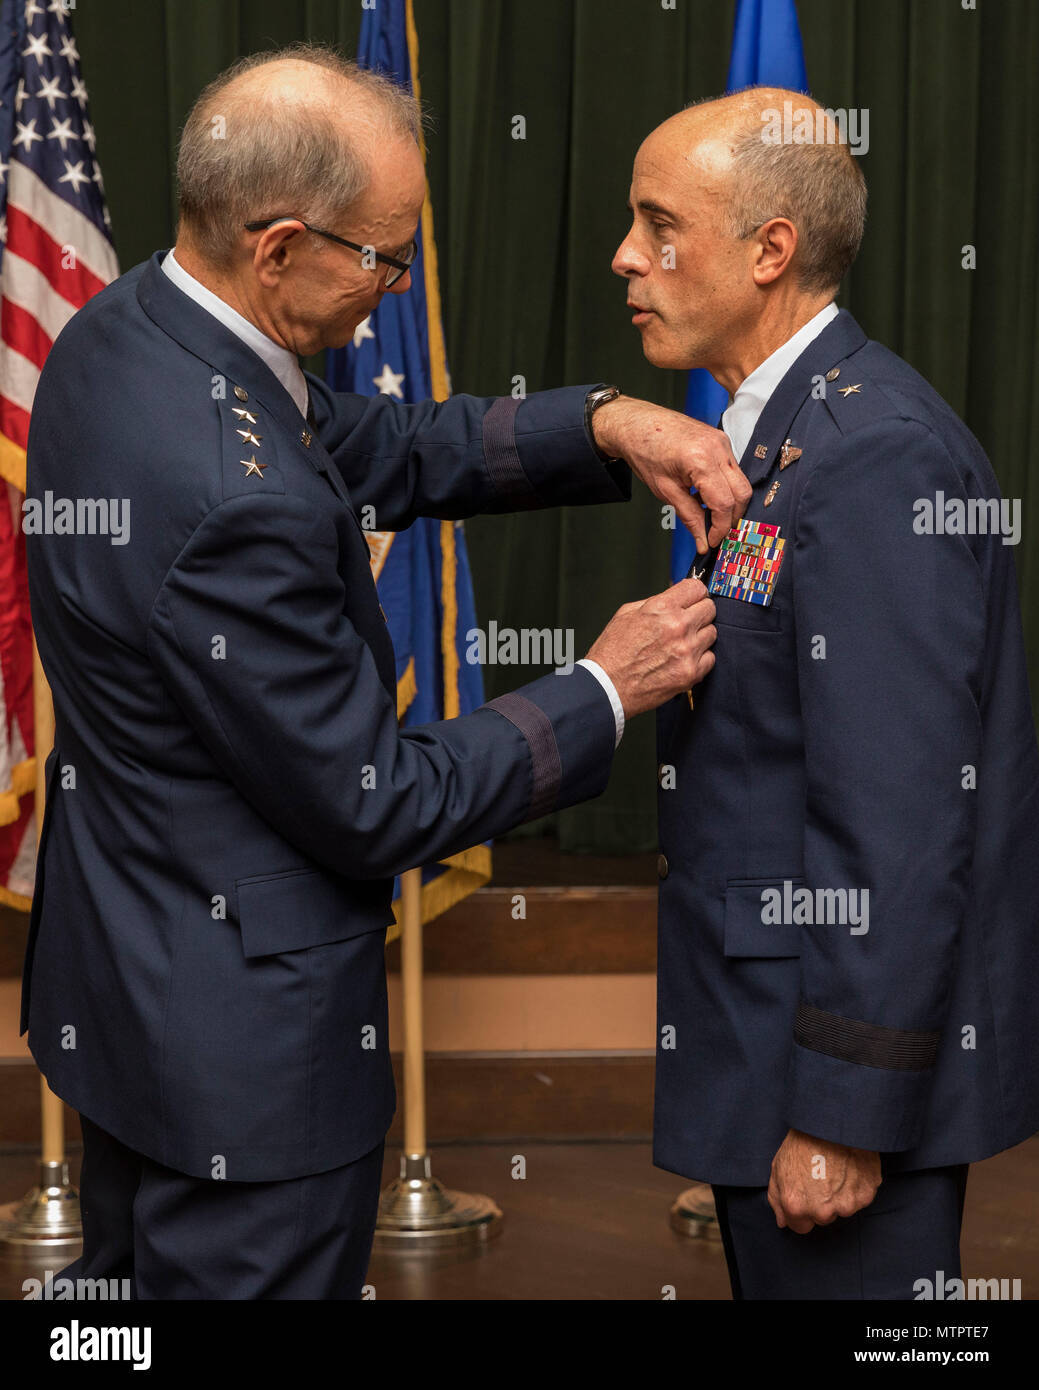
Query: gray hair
x: 244, y: 156
x: 817, y: 184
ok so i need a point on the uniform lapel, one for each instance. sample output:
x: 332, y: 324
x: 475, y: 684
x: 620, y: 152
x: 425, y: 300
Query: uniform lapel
x: 839, y: 340
x: 207, y: 338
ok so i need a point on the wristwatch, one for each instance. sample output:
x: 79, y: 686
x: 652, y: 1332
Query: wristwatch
x: 592, y: 402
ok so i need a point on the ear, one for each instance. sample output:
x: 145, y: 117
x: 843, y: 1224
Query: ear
x: 275, y: 250
x: 776, y: 244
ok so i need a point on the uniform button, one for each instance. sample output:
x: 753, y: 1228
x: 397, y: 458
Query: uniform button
x: 241, y: 393
x: 662, y: 866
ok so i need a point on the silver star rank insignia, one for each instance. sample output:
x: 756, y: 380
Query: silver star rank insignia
x: 249, y: 437
x: 244, y: 415
x: 849, y: 390
x: 788, y: 455
x: 251, y: 466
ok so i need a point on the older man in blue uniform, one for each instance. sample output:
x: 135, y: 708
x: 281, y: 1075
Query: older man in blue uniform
x: 230, y: 795
x: 849, y: 813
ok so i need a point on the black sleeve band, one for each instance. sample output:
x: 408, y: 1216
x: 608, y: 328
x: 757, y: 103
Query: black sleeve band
x: 850, y: 1040
x: 536, y: 727
x: 502, y: 456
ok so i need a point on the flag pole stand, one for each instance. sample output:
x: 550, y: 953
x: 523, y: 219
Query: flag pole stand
x: 693, y: 1213
x: 48, y: 1215
x: 416, y: 1212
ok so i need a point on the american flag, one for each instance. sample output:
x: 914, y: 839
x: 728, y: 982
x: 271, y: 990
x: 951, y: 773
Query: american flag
x: 55, y: 253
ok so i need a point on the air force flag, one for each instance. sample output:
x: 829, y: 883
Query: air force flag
x: 422, y: 574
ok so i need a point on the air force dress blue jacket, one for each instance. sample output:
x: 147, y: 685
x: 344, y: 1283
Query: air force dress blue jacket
x: 869, y: 731
x: 230, y: 794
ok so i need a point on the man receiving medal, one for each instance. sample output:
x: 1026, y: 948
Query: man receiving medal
x: 850, y: 837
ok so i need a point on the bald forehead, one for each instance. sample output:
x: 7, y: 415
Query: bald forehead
x: 677, y: 149
x: 679, y: 168
x: 705, y: 136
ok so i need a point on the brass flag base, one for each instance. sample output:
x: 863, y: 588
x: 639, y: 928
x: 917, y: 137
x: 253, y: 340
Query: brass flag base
x: 417, y: 1213
x: 693, y: 1214
x: 47, y: 1216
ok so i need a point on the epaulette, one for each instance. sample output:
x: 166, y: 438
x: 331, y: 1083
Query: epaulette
x: 250, y: 455
x: 854, y: 401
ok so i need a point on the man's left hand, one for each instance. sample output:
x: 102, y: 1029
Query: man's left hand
x: 813, y: 1181
x: 672, y: 453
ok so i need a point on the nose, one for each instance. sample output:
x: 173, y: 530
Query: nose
x: 400, y: 286
x: 628, y: 260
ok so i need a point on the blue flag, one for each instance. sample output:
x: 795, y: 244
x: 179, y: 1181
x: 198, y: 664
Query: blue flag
x: 766, y: 52
x: 422, y: 574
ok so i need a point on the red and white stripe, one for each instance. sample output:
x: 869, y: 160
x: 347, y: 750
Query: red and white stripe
x: 55, y: 260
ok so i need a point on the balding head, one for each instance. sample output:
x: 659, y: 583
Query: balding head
x: 768, y: 152
x: 293, y: 132
x: 738, y: 237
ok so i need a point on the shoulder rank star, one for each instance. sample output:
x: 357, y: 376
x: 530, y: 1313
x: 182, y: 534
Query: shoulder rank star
x: 788, y: 455
x: 250, y: 438
x: 244, y: 415
x: 251, y: 466
x: 850, y: 390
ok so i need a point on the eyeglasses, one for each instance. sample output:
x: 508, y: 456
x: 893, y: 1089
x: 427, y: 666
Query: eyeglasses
x: 398, y: 266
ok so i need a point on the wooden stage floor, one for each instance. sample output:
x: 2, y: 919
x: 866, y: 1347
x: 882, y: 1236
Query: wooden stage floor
x: 590, y: 1221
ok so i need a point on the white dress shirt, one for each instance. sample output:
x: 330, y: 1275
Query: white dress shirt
x: 752, y: 395
x: 611, y: 690
x: 283, y: 363
x: 285, y: 366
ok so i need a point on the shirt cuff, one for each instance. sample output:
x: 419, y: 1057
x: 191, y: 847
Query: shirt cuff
x: 611, y: 690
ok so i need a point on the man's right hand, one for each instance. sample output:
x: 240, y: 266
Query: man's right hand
x: 655, y: 649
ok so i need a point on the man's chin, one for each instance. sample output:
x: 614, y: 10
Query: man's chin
x: 664, y: 356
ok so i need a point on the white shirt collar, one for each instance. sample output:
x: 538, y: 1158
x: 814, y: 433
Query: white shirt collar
x: 752, y: 395
x: 283, y: 363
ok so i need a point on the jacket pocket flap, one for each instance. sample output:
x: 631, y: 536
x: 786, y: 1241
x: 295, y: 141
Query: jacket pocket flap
x: 305, y: 907
x: 755, y: 617
x: 754, y: 918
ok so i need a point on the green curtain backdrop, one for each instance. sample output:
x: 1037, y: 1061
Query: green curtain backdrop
x: 526, y: 230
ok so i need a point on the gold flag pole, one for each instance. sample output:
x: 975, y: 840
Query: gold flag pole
x: 49, y: 1213
x: 415, y: 1211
